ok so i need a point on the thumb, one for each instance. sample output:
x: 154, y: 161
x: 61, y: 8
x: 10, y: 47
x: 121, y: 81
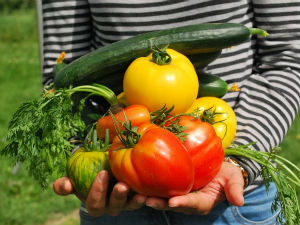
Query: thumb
x: 234, y: 188
x: 63, y: 186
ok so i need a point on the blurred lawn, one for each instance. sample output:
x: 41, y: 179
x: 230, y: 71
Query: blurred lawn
x: 21, y: 199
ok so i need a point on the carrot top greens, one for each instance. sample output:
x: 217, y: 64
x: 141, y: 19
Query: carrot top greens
x: 40, y: 130
x: 279, y: 170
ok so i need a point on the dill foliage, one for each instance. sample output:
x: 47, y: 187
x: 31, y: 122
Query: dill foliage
x: 39, y: 133
x: 275, y: 168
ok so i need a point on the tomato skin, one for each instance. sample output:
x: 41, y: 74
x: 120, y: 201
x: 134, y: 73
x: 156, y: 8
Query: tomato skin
x: 83, y: 166
x: 205, y: 148
x: 226, y: 130
x: 158, y: 165
x: 137, y: 114
x: 155, y: 86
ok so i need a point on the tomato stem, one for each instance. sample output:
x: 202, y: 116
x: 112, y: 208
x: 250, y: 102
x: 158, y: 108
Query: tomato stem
x: 92, y: 143
x: 160, y: 55
x: 129, y: 137
x: 160, y: 115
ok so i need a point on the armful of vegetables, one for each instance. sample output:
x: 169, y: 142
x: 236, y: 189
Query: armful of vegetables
x: 40, y: 130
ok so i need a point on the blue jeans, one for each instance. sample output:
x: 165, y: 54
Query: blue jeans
x: 256, y: 210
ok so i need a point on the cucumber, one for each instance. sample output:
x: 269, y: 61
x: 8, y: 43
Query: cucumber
x: 201, y: 60
x: 189, y: 40
x: 211, y: 85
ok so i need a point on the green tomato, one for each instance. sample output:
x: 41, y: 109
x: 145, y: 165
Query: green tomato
x: 82, y: 168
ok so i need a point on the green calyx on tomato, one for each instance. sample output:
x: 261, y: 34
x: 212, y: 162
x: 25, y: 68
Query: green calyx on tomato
x: 136, y: 114
x: 160, y: 56
x: 209, y: 115
x: 129, y: 135
x: 218, y: 113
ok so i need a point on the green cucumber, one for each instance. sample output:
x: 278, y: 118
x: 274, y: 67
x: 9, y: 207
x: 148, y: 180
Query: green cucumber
x: 189, y: 40
x: 211, y: 85
x: 201, y: 60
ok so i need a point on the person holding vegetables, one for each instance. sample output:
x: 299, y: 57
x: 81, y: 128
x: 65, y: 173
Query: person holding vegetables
x: 266, y: 70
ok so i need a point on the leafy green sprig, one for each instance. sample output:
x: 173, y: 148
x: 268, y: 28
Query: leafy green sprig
x: 39, y: 133
x: 40, y: 130
x: 277, y: 169
x: 92, y: 143
x: 129, y: 135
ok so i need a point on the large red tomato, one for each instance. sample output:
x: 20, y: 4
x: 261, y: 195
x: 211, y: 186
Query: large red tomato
x: 205, y: 148
x: 157, y: 165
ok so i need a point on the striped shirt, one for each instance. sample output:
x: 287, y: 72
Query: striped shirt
x: 266, y: 69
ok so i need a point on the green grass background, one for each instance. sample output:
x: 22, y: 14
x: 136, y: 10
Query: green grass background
x: 22, y: 201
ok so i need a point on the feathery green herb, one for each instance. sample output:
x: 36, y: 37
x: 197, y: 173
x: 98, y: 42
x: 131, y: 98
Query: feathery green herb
x: 40, y: 130
x: 277, y: 169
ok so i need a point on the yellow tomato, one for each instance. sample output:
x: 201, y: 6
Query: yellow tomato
x: 154, y: 86
x: 224, y: 119
x: 122, y: 99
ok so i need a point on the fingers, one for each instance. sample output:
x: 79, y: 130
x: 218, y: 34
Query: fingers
x: 188, y: 204
x: 118, y: 198
x: 229, y: 181
x: 234, y: 189
x: 136, y: 202
x: 97, y: 203
x: 157, y: 203
x: 193, y: 203
x: 63, y: 186
x: 96, y: 200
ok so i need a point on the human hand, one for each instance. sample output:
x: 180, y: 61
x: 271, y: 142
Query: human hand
x: 97, y: 202
x: 228, y: 184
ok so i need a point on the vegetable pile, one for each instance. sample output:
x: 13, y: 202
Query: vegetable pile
x: 166, y: 131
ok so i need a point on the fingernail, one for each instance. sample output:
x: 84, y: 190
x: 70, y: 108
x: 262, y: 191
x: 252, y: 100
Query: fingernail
x: 173, y: 204
x: 140, y: 200
x: 122, y: 189
x: 152, y: 206
x: 67, y: 187
x: 102, y: 175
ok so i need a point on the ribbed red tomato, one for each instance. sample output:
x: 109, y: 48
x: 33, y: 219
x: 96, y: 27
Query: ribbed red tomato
x: 157, y: 165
